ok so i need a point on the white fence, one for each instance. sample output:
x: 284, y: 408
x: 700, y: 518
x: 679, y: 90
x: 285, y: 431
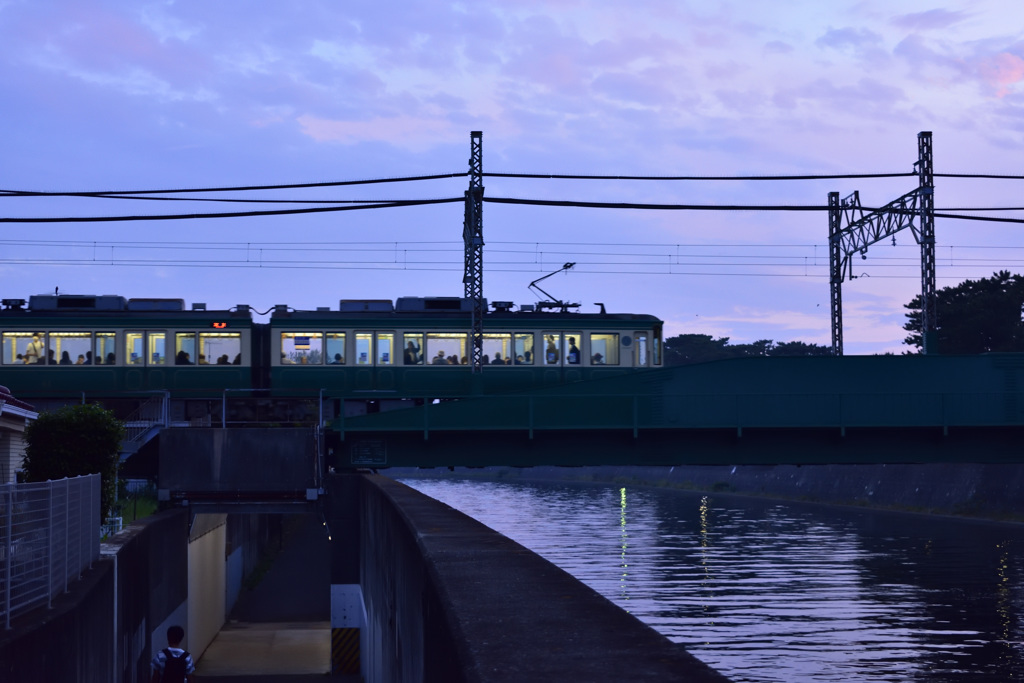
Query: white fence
x: 49, y: 533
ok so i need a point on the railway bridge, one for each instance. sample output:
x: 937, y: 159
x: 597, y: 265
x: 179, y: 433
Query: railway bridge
x: 796, y: 410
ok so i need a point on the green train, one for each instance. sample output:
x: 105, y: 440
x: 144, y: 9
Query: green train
x: 60, y: 348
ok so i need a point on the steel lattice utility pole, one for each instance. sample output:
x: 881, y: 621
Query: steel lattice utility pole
x: 835, y: 221
x: 926, y: 238
x: 864, y: 229
x: 473, y: 236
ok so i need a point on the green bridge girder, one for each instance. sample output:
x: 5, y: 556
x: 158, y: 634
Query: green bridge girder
x: 855, y: 409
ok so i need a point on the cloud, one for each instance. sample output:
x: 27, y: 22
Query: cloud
x: 404, y: 131
x: 933, y: 19
x: 1002, y: 71
x: 844, y: 38
x: 778, y: 47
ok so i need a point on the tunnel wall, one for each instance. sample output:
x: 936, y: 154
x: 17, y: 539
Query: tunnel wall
x: 448, y: 599
x: 207, y: 582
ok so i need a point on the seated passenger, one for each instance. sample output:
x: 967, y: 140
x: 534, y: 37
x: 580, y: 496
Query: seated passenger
x: 88, y: 358
x: 285, y: 360
x: 338, y: 360
x: 497, y: 359
x: 202, y: 359
x: 485, y: 360
x: 182, y: 358
x: 520, y: 360
x: 453, y: 359
x: 223, y: 360
x: 237, y: 360
x: 111, y: 358
x: 439, y: 359
x: 51, y: 357
x: 81, y: 360
x: 598, y: 359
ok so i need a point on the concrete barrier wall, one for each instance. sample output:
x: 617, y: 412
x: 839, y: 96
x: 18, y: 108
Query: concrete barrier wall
x: 150, y: 576
x: 449, y: 599
x: 102, y: 629
x: 71, y: 642
x: 207, y: 582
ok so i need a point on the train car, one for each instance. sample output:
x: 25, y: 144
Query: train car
x: 420, y: 347
x: 220, y: 367
x: 66, y: 347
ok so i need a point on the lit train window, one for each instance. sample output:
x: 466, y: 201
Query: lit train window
x: 71, y: 348
x: 640, y: 350
x: 413, y: 351
x: 446, y: 348
x: 185, y: 348
x: 24, y: 348
x: 364, y: 348
x: 385, y: 348
x: 145, y: 348
x: 155, y: 348
x: 604, y: 348
x: 524, y: 349
x: 221, y: 348
x: 104, y: 349
x: 302, y: 348
x: 497, y: 349
x: 552, y: 346
x: 656, y: 346
x: 573, y: 342
x: 335, y: 348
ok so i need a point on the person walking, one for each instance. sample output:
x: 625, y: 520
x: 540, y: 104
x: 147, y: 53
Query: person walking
x: 173, y: 664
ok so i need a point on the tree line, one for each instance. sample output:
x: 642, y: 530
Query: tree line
x: 975, y: 316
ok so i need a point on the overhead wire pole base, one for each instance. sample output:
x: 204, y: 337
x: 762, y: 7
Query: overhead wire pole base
x: 473, y: 236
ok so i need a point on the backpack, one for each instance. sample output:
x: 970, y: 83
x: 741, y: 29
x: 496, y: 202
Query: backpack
x: 175, y: 668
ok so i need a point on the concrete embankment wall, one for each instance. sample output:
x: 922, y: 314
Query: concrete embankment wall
x: 981, y: 490
x: 101, y: 629
x: 71, y: 642
x: 150, y: 576
x: 448, y: 599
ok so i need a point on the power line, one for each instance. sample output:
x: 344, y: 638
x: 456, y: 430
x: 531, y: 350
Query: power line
x: 233, y: 214
x: 557, y: 176
x: 237, y: 188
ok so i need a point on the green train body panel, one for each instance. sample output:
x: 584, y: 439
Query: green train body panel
x: 354, y: 353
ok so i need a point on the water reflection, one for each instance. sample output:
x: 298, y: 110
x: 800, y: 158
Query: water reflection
x: 768, y: 591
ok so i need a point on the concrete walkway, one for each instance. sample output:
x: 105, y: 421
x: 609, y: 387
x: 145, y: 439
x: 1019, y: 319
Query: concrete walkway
x: 280, y: 631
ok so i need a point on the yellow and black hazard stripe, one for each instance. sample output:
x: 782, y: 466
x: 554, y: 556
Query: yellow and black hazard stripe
x: 345, y: 650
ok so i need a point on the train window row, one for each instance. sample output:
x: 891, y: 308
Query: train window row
x: 318, y: 348
x: 137, y: 348
x: 452, y: 348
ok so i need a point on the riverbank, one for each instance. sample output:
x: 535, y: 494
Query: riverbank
x: 969, y: 490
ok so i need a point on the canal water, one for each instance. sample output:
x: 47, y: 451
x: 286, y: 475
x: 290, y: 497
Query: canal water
x: 778, y: 591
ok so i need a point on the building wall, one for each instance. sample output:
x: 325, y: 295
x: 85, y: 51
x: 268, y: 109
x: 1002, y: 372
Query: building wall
x: 12, y: 454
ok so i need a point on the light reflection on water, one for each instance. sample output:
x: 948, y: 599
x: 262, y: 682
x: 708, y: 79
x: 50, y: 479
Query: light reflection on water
x: 770, y: 591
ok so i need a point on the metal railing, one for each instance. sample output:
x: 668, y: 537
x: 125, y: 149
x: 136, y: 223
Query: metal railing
x: 49, y: 533
x: 153, y: 414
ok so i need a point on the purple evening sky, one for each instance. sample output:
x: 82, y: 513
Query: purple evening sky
x: 122, y: 95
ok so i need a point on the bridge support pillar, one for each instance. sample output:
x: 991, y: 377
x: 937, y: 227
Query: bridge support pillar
x: 348, y: 615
